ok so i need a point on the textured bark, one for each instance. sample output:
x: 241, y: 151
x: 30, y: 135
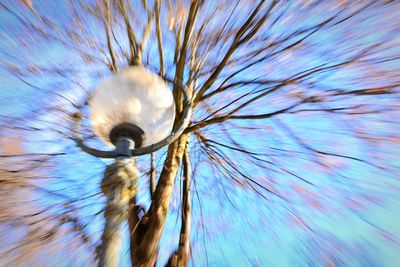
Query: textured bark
x: 146, y: 235
x: 118, y: 185
x: 180, y: 257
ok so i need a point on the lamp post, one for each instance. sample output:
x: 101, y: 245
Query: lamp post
x: 133, y: 111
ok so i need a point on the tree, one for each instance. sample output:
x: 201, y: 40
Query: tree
x: 286, y: 94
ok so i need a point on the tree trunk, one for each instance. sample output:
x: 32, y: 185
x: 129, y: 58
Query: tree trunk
x: 180, y: 257
x: 146, y: 235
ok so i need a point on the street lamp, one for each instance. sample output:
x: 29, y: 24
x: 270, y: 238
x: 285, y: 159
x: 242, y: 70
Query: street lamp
x: 133, y: 111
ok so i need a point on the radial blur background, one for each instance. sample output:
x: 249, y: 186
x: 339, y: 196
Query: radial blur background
x: 295, y: 145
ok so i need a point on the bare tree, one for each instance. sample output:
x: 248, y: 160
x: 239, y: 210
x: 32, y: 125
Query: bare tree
x: 282, y: 90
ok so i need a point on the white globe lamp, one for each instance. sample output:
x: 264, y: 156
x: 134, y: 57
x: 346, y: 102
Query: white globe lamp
x: 134, y: 103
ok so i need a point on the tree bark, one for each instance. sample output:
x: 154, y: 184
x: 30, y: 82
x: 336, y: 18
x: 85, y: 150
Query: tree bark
x: 146, y: 235
x: 180, y: 257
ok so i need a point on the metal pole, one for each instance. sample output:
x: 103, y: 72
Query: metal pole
x: 117, y: 185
